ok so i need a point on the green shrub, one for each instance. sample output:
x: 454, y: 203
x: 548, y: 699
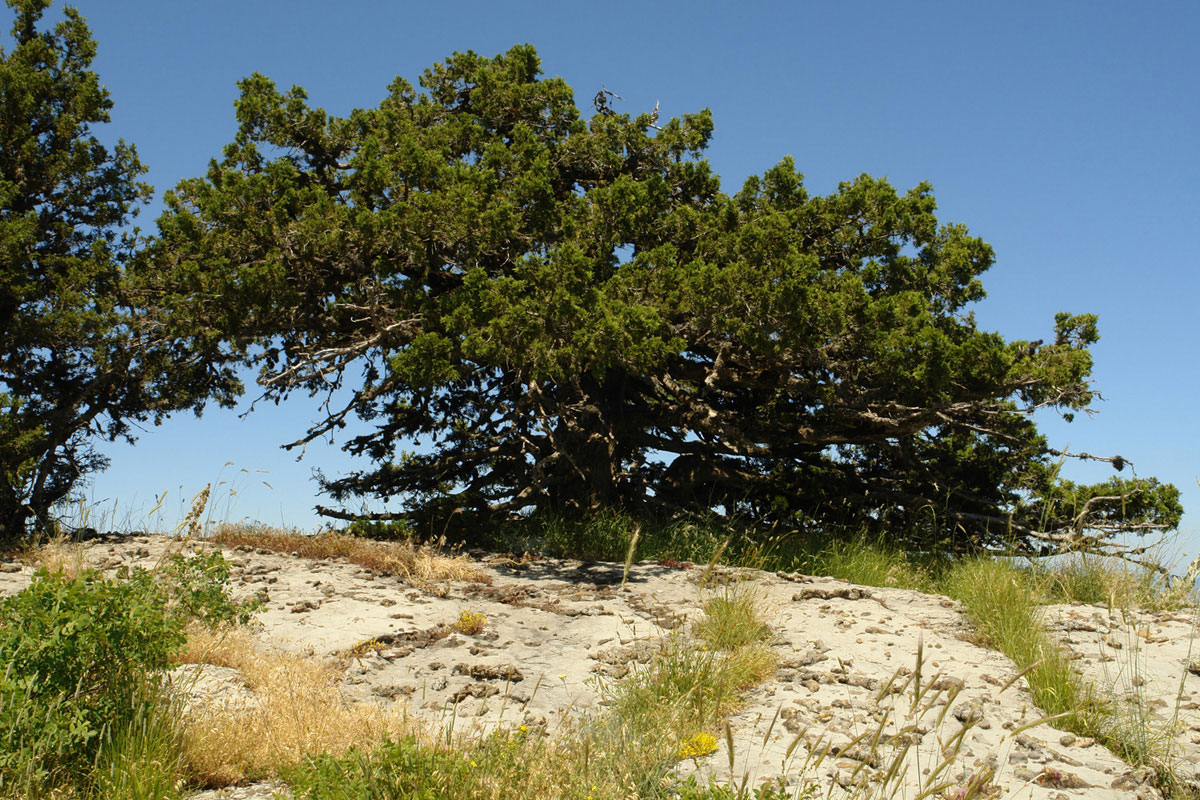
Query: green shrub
x: 78, y: 657
x: 199, y: 589
x: 73, y: 651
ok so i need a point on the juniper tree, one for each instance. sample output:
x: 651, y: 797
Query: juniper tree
x: 536, y: 310
x: 78, y: 360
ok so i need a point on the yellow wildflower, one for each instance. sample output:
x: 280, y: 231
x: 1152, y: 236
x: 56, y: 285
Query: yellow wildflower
x: 699, y: 745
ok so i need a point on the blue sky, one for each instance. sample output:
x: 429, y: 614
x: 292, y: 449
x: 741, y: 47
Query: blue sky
x: 1066, y: 134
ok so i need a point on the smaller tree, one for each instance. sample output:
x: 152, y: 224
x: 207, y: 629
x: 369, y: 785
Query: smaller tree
x: 77, y: 359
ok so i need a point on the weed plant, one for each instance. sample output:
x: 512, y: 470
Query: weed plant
x: 82, y: 706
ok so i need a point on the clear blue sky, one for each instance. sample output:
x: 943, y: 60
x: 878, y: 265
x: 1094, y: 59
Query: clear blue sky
x: 1067, y: 134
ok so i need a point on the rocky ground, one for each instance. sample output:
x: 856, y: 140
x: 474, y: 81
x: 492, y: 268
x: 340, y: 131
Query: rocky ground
x: 848, y: 663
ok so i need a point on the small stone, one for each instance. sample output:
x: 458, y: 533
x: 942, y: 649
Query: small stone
x: 1060, y: 779
x: 1066, y: 740
x: 948, y: 683
x: 1063, y: 757
x: 968, y: 713
x: 1132, y: 779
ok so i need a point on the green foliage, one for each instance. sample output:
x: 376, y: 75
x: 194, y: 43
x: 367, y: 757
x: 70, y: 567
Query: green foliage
x: 199, y: 590
x: 77, y: 358
x: 73, y: 652
x: 78, y: 663
x: 396, y: 770
x: 567, y: 314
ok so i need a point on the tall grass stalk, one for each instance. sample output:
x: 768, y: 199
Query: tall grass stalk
x: 143, y: 759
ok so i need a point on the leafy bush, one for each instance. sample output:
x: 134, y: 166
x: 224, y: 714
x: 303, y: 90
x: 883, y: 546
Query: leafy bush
x: 73, y: 651
x: 199, y: 588
x: 78, y: 651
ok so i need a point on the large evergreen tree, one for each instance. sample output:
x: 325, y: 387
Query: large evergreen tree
x: 76, y: 360
x: 567, y: 314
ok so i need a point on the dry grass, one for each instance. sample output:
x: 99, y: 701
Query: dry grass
x: 299, y: 712
x: 57, y: 555
x: 417, y: 563
x: 225, y: 647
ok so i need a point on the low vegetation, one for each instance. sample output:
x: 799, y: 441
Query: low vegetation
x: 420, y: 564
x: 111, y: 727
x: 665, y: 711
x: 293, y: 711
x: 82, y: 704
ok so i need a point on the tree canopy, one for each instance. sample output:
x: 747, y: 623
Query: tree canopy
x: 536, y: 310
x: 77, y: 360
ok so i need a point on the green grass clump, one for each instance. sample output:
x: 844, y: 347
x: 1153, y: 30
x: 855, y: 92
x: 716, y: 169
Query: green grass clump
x: 1114, y: 583
x: 142, y: 759
x: 868, y: 563
x: 732, y: 620
x: 1001, y: 601
x: 606, y: 536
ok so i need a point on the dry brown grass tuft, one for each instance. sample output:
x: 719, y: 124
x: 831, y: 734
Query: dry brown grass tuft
x: 420, y: 564
x: 299, y: 712
x: 230, y: 647
x: 57, y: 555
